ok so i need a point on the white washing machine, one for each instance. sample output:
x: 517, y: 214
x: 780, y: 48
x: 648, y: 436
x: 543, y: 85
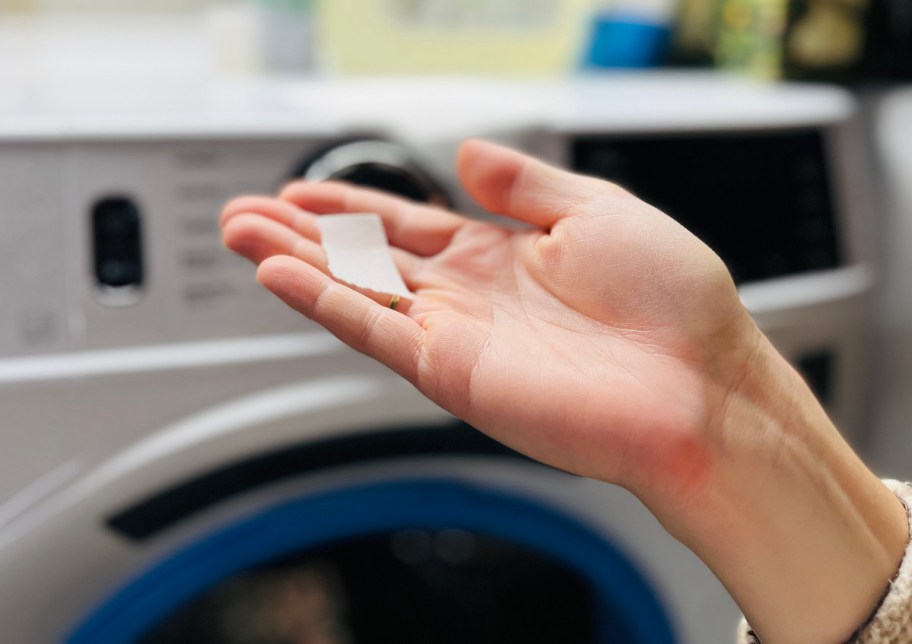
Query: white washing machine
x: 184, y: 460
x: 889, y: 115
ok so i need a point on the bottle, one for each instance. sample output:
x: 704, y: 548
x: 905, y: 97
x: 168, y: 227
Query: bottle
x: 750, y: 37
x: 629, y: 33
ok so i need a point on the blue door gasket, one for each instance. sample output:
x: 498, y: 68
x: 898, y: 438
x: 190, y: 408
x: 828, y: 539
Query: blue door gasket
x: 312, y: 521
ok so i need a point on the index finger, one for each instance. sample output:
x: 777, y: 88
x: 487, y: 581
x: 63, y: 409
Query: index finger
x: 419, y: 229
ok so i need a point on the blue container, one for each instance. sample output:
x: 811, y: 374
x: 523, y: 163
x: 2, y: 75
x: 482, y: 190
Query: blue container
x: 624, y: 40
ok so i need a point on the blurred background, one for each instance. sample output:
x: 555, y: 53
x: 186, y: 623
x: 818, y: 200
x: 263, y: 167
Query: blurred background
x: 838, y: 40
x: 182, y: 459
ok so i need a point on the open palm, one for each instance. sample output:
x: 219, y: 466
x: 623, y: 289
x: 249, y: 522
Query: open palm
x: 602, y: 338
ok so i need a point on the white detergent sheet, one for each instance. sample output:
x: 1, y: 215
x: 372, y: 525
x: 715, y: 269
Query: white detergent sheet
x: 359, y: 254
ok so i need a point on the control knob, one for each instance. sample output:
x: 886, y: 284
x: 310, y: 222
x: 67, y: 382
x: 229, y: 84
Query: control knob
x: 376, y: 164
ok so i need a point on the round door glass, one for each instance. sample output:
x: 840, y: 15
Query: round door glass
x: 428, y: 561
x: 411, y: 586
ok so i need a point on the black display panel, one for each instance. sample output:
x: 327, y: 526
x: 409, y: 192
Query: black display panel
x: 411, y: 586
x: 762, y: 200
x: 117, y: 243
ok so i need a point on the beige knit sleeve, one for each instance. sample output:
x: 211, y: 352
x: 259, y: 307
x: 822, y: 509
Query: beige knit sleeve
x: 892, y: 622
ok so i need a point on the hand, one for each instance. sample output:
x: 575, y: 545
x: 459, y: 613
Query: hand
x: 600, y: 340
x: 605, y: 339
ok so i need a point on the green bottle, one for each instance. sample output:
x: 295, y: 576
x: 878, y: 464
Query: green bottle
x: 750, y: 36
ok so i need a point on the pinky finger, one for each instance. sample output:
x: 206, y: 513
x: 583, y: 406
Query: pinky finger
x: 380, y: 332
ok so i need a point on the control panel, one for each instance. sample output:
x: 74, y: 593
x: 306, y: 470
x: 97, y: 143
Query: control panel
x: 130, y: 248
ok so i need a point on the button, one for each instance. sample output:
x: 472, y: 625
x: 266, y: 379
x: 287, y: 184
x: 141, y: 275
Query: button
x: 117, y: 241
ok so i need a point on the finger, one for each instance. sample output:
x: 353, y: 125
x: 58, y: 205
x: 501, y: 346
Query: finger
x: 257, y: 237
x: 509, y: 183
x: 380, y: 332
x: 276, y: 209
x: 422, y: 230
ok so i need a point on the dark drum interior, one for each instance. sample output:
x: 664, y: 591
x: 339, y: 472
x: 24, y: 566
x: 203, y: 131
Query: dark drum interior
x: 411, y: 586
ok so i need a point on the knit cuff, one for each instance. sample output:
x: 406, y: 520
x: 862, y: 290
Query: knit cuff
x: 892, y: 621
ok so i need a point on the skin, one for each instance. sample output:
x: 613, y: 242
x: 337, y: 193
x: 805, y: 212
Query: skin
x: 605, y: 339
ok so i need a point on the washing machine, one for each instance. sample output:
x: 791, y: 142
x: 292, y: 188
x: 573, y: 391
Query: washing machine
x: 185, y: 460
x: 888, y: 113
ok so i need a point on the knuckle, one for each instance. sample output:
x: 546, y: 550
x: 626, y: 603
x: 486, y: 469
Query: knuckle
x: 367, y: 328
x: 291, y: 189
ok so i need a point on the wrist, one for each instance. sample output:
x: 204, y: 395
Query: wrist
x: 802, y: 534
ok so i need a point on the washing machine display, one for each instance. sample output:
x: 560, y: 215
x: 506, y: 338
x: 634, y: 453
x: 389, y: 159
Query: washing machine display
x: 787, y: 226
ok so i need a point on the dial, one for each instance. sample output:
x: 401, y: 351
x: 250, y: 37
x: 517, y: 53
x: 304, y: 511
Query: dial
x: 376, y: 164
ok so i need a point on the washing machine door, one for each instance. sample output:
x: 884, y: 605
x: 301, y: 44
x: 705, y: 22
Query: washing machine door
x: 407, y: 527
x: 409, y: 561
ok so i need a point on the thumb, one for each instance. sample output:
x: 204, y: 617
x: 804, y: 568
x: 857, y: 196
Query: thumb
x: 507, y: 182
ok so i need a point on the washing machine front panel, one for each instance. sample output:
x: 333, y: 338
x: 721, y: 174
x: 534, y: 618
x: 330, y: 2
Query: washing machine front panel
x: 300, y: 445
x: 105, y: 401
x: 141, y: 360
